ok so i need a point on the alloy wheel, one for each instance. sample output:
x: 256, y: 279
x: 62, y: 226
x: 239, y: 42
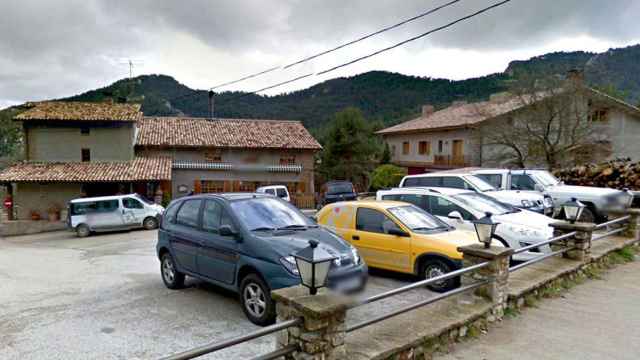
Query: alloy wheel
x: 168, y: 271
x: 254, y: 300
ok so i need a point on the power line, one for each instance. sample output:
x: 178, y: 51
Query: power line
x: 246, y: 77
x: 373, y: 34
x: 415, y: 37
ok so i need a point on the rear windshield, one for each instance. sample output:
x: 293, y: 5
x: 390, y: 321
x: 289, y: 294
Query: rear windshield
x: 92, y: 207
x: 339, y: 188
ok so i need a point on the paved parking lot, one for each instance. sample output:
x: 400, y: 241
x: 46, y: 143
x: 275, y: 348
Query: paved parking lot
x: 101, y: 297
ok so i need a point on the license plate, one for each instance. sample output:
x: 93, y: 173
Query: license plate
x: 349, y: 284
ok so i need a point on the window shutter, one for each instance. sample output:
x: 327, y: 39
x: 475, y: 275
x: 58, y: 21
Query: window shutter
x: 227, y: 186
x: 197, y: 186
x: 302, y: 187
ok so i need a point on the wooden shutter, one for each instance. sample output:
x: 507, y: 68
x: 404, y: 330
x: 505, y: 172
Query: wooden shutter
x: 197, y: 186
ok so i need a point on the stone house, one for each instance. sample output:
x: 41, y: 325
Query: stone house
x: 453, y: 137
x: 75, y: 149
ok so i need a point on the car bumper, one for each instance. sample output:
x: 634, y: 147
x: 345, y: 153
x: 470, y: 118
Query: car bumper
x: 349, y: 280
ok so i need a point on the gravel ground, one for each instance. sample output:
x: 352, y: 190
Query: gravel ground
x: 101, y: 297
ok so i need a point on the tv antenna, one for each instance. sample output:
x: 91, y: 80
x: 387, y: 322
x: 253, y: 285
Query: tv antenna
x: 132, y: 63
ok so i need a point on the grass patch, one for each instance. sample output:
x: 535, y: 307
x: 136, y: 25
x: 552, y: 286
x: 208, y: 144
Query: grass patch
x: 628, y: 253
x: 531, y: 301
x: 473, y: 332
x: 511, y: 312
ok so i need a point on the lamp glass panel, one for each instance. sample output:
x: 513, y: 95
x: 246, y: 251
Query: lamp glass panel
x: 322, y: 270
x: 484, y: 232
x: 571, y: 212
x: 306, y: 271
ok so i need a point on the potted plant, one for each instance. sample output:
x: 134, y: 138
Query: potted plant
x: 34, y: 215
x: 53, y: 212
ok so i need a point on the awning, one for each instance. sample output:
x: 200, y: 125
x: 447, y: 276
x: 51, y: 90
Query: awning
x: 203, y: 165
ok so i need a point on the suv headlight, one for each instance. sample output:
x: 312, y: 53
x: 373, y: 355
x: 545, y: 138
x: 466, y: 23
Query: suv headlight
x: 548, y: 202
x: 355, y: 256
x: 527, y: 203
x: 289, y: 263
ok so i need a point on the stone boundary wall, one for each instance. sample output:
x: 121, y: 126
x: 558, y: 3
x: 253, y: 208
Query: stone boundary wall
x: 26, y: 227
x: 445, y: 341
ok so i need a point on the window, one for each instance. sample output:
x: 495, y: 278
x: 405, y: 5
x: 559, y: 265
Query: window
x: 522, y: 182
x: 85, y: 131
x: 213, y: 156
x: 442, y: 207
x: 225, y: 219
x: 271, y: 192
x: 417, y: 200
x: 107, y: 206
x: 83, y: 208
x: 423, y: 181
x: 170, y: 213
x: 282, y: 193
x: 370, y: 220
x: 130, y: 203
x: 405, y: 148
x: 86, y: 155
x: 424, y: 148
x: 188, y: 213
x: 211, y: 215
x: 599, y: 115
x: 287, y: 159
x: 453, y: 182
x: 211, y: 186
x: 494, y: 179
x: 440, y: 146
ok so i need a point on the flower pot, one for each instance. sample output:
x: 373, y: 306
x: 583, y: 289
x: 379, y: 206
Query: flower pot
x: 53, y: 216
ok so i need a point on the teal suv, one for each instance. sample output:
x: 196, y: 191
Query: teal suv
x: 244, y: 242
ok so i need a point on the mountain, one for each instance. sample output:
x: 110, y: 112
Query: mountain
x: 384, y: 97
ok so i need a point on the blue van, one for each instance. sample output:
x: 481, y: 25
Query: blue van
x: 244, y: 242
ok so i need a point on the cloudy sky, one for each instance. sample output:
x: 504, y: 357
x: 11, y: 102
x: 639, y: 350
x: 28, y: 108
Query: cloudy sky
x: 51, y: 49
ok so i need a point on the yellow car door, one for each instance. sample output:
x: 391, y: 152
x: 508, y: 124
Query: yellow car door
x: 375, y: 240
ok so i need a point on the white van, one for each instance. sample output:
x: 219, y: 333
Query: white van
x: 275, y: 190
x: 111, y: 213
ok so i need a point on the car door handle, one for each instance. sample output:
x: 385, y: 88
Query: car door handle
x: 355, y: 237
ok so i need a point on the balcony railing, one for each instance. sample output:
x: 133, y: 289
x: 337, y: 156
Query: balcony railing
x: 449, y: 160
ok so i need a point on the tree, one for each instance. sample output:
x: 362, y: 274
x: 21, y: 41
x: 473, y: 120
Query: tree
x: 350, y: 148
x: 10, y: 134
x: 386, y: 176
x: 551, y: 127
x: 386, y: 155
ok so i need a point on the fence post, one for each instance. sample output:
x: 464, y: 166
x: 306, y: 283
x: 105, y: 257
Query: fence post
x: 632, y: 230
x: 498, y: 271
x: 580, y: 243
x: 322, y: 332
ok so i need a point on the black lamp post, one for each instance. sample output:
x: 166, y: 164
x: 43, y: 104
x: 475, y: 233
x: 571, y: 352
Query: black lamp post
x: 573, y: 210
x: 485, y: 229
x: 313, y: 265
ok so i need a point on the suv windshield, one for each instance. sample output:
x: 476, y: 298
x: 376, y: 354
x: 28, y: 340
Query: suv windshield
x: 417, y: 219
x: 269, y: 214
x: 483, y: 203
x: 479, y: 184
x: 339, y: 188
x: 545, y: 178
x: 143, y: 199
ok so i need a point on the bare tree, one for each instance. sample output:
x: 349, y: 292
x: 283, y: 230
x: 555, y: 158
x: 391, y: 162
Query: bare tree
x: 541, y: 124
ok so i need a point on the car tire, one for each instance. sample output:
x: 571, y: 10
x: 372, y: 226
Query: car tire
x: 435, y: 267
x: 150, y: 223
x: 83, y: 230
x: 587, y: 216
x: 172, y: 278
x: 255, y: 298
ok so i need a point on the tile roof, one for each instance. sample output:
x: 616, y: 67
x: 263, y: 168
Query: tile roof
x: 139, y: 169
x: 457, y: 116
x: 80, y: 111
x: 228, y: 133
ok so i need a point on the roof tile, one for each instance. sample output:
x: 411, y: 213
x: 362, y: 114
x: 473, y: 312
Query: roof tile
x: 80, y: 111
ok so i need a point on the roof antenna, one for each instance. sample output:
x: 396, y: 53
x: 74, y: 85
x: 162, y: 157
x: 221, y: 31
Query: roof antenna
x: 211, y: 104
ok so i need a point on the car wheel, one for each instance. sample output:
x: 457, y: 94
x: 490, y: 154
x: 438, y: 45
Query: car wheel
x: 587, y: 216
x: 83, y: 230
x: 172, y: 278
x: 150, y: 223
x: 436, y: 267
x: 255, y: 298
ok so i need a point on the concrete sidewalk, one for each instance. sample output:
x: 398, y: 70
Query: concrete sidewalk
x: 599, y: 319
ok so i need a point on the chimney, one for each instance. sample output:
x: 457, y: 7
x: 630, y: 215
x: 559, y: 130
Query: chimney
x: 210, y: 104
x: 575, y: 76
x: 427, y: 110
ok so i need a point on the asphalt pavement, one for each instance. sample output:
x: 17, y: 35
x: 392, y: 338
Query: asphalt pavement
x: 101, y: 297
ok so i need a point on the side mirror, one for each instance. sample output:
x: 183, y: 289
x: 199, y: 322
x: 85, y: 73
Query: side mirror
x: 455, y: 215
x: 538, y: 187
x: 226, y: 230
x: 398, y: 232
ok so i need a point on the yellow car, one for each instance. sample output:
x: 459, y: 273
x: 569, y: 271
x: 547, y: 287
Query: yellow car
x: 398, y: 236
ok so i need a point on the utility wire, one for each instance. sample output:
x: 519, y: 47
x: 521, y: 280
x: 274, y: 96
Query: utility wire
x: 246, y: 77
x: 372, y: 34
x: 415, y: 37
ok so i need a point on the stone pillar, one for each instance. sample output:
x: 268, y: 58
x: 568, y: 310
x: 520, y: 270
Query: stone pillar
x: 581, y: 242
x: 321, y: 335
x: 498, y: 270
x: 632, y: 230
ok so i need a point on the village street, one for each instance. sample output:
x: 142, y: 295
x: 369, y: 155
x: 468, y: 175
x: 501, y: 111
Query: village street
x: 102, y: 297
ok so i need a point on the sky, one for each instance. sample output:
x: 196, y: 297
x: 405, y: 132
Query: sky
x: 54, y: 49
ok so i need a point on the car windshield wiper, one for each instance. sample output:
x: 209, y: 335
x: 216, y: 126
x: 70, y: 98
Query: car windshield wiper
x: 264, y: 228
x: 293, y: 227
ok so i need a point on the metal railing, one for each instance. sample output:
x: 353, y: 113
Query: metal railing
x: 213, y: 347
x: 613, y: 222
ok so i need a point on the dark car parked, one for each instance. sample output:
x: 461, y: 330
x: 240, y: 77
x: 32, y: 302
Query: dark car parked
x: 243, y: 242
x: 334, y: 191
